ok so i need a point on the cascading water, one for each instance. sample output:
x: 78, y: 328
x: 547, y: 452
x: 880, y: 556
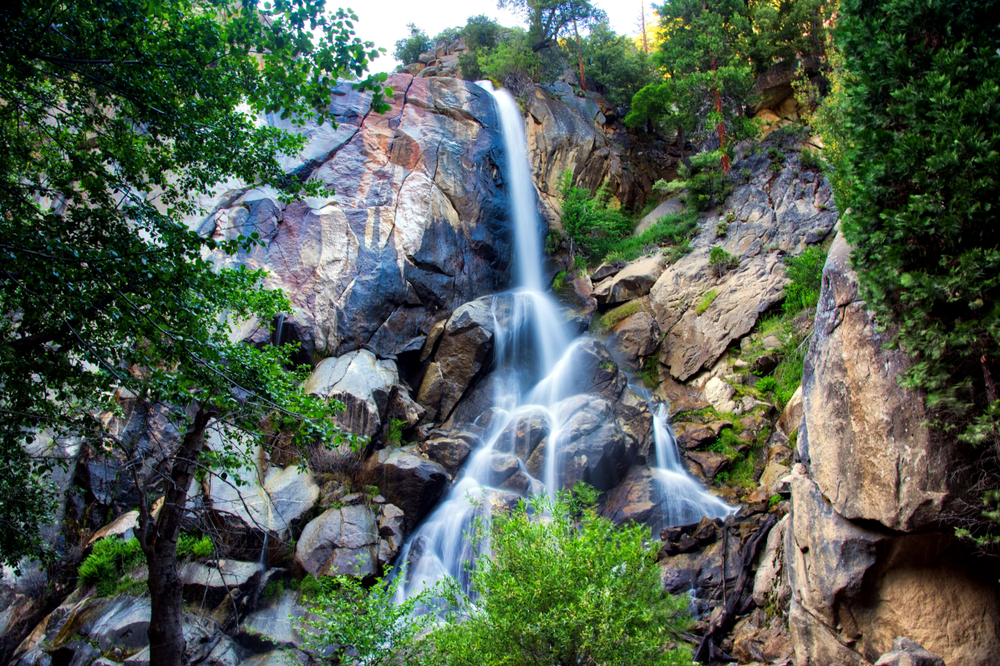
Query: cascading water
x: 532, y: 352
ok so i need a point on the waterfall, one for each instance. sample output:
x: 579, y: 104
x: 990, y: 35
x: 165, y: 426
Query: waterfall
x: 682, y: 499
x: 532, y: 349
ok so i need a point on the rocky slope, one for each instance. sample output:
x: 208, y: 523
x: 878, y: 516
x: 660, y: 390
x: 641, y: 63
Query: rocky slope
x: 837, y: 547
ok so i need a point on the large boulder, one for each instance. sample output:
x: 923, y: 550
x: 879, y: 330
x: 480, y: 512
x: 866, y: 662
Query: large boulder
x: 418, y: 222
x: 587, y: 367
x: 865, y: 557
x: 411, y: 482
x: 633, y: 281
x: 207, y: 586
x: 589, y: 445
x: 635, y: 337
x: 341, y: 540
x: 464, y: 348
x: 360, y: 380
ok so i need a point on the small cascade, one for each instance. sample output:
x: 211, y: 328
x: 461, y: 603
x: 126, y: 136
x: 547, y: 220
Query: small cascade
x: 532, y: 377
x: 682, y: 499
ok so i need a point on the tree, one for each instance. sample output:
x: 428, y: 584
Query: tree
x: 409, y: 48
x: 914, y: 139
x: 616, y: 67
x: 786, y: 29
x: 562, y: 585
x: 549, y: 19
x: 700, y: 53
x: 114, y: 115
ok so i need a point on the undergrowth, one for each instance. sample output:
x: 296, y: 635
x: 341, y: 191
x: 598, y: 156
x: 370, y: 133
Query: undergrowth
x: 111, y: 559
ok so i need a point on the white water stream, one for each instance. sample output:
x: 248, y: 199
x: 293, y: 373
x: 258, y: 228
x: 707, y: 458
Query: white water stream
x: 532, y: 347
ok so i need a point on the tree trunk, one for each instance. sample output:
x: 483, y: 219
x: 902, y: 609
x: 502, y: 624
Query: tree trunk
x: 166, y: 636
x: 579, y: 52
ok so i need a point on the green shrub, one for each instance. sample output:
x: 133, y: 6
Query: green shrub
x: 767, y: 384
x: 704, y: 182
x: 191, y: 545
x: 806, y: 274
x: 773, y: 501
x: 394, y: 437
x: 512, y: 63
x: 615, y: 316
x: 675, y: 229
x: 345, y: 618
x: 110, y: 559
x: 570, y: 586
x: 650, y: 372
x: 705, y: 302
x: 810, y: 159
x: 590, y: 220
x: 721, y: 260
x: 721, y: 228
x: 409, y: 48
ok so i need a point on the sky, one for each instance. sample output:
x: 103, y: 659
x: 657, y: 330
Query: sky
x: 384, y: 21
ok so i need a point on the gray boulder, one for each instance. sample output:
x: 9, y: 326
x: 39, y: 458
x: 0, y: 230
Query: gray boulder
x: 411, y: 482
x: 906, y: 652
x: 362, y: 382
x: 339, y: 541
x: 633, y: 281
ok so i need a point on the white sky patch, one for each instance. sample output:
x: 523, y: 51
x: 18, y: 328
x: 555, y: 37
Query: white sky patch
x: 384, y: 21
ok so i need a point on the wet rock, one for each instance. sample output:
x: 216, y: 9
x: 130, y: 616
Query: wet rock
x: 709, y: 463
x: 502, y: 467
x: 273, y: 622
x: 362, y: 382
x: 590, y: 445
x: 636, y: 499
x: 906, y: 652
x: 465, y: 347
x: 411, y: 482
x: 693, y: 435
x: 339, y: 541
x: 587, y: 368
x: 449, y: 452
x: 418, y: 224
x: 633, y: 281
x: 528, y: 427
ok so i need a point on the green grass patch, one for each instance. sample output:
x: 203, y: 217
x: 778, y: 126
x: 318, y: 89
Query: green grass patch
x: 705, y: 302
x: 615, y: 316
x: 806, y: 274
x: 650, y: 372
x: 740, y: 474
x: 675, y: 230
x: 192, y: 545
x: 110, y: 559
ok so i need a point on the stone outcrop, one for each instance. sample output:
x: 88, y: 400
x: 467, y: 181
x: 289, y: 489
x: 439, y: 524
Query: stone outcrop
x: 417, y: 224
x: 865, y: 557
x: 360, y: 380
x: 773, y: 213
x: 410, y: 481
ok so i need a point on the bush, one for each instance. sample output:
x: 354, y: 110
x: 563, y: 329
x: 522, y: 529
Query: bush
x: 565, y: 583
x: 766, y: 385
x: 705, y: 302
x: 721, y: 260
x: 590, y: 220
x: 913, y: 135
x: 704, y: 181
x: 806, y: 274
x: 408, y: 50
x: 111, y: 559
x: 512, y: 63
x: 190, y: 545
x: 345, y: 618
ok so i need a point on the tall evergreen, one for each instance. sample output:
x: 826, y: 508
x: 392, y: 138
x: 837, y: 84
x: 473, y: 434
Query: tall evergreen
x: 913, y: 136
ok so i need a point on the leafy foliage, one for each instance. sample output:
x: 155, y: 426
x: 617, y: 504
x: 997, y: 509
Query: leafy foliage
x: 675, y: 230
x: 367, y: 625
x: 615, y: 66
x: 589, y: 219
x: 111, y: 125
x: 192, y: 545
x: 721, y: 260
x: 549, y: 19
x: 703, y: 182
x: 705, y: 302
x: 108, y: 562
x: 806, y: 274
x: 784, y: 29
x: 563, y: 585
x: 916, y: 159
x: 409, y: 48
x: 511, y: 63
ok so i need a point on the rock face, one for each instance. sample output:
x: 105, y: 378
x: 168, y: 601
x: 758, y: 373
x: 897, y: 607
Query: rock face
x: 772, y: 212
x: 339, y: 541
x: 362, y: 382
x: 864, y: 560
x: 411, y: 482
x: 460, y: 350
x: 417, y: 224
